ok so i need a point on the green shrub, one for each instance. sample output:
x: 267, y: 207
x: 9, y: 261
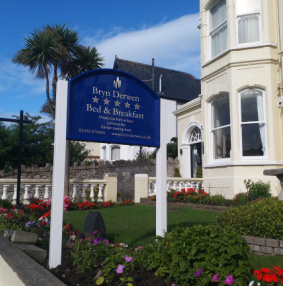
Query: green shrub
x: 5, y: 204
x: 218, y: 200
x: 177, y: 173
x: 185, y: 251
x: 259, y: 190
x: 261, y: 219
x: 240, y: 199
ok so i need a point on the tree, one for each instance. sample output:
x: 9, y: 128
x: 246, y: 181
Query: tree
x: 37, y: 144
x: 172, y: 148
x: 56, y: 49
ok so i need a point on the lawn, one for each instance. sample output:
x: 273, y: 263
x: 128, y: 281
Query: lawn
x: 135, y: 225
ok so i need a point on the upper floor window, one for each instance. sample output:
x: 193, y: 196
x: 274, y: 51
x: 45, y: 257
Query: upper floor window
x: 218, y: 28
x: 220, y: 127
x: 253, y: 123
x: 248, y: 19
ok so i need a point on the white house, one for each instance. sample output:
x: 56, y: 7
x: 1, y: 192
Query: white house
x: 234, y: 128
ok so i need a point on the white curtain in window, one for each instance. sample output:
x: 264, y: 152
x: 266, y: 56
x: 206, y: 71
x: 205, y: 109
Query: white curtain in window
x: 219, y: 40
x: 218, y: 14
x: 260, y: 111
x: 218, y: 28
x: 248, y: 28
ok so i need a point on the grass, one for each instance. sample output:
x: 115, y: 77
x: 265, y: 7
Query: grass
x: 135, y: 225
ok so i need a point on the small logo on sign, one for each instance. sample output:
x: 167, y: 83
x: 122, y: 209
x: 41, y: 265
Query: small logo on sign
x: 117, y: 83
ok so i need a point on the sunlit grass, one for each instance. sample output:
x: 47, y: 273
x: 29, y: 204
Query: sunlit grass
x: 135, y: 225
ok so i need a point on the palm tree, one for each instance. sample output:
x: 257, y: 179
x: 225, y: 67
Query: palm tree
x: 85, y: 59
x: 38, y: 55
x: 56, y: 48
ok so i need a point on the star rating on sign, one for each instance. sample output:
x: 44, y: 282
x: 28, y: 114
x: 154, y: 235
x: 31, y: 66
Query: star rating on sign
x: 127, y: 105
x: 106, y: 101
x: 137, y: 106
x: 117, y: 103
x: 95, y: 99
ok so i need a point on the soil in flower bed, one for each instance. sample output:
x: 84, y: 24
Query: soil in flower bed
x: 67, y: 274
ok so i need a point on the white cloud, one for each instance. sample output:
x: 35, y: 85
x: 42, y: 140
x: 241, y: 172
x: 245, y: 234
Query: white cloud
x: 18, y: 81
x: 174, y: 45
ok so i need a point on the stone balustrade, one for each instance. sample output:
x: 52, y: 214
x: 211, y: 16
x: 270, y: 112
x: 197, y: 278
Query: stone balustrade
x: 146, y: 186
x: 100, y: 190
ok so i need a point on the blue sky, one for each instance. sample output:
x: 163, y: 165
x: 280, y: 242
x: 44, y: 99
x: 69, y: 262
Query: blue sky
x: 136, y: 30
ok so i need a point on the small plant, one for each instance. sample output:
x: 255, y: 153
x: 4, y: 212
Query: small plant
x: 184, y: 251
x: 218, y: 200
x: 5, y: 204
x: 259, y: 190
x: 177, y: 173
x: 199, y: 172
x: 240, y: 199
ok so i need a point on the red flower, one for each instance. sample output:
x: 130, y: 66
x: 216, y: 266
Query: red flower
x: 265, y: 270
x: 269, y: 278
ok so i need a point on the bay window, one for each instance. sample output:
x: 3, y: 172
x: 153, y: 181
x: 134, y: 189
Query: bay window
x: 248, y: 21
x: 253, y: 126
x: 218, y: 28
x: 220, y: 127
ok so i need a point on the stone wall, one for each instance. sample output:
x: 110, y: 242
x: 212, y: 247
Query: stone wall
x: 125, y: 171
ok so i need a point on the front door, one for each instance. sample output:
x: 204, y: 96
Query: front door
x: 195, y: 158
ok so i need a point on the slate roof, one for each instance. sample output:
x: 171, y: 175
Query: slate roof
x: 176, y: 85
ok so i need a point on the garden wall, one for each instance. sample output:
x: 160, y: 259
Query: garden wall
x: 125, y: 171
x: 265, y: 245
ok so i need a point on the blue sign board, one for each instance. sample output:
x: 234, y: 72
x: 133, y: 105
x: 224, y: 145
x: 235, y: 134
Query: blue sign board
x: 112, y: 106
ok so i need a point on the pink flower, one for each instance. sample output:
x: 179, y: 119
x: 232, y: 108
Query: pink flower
x: 199, y: 272
x: 120, y: 269
x: 138, y: 248
x: 96, y: 231
x: 128, y: 259
x: 214, y: 278
x: 229, y: 280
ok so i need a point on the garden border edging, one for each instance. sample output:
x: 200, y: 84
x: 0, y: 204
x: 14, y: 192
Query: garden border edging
x: 18, y: 269
x: 265, y: 246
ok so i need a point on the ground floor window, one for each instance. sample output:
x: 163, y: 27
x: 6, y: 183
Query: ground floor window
x: 253, y: 126
x: 220, y: 127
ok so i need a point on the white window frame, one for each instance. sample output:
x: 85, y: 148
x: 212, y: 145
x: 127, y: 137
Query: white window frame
x: 252, y: 158
x: 214, y: 29
x: 238, y: 16
x: 211, y: 145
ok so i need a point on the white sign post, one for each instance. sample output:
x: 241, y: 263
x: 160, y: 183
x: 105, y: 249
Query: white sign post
x: 56, y: 226
x: 161, y: 175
